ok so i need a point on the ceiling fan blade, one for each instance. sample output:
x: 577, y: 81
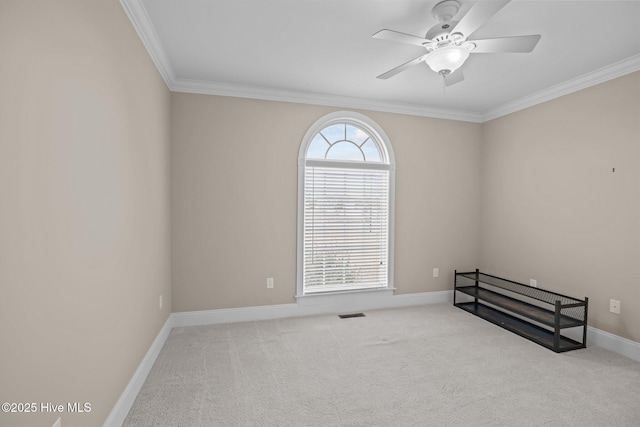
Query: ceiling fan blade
x: 517, y: 44
x: 402, y: 67
x: 453, y: 78
x: 479, y: 13
x: 397, y: 36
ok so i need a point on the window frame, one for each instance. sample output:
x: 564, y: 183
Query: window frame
x: 384, y: 144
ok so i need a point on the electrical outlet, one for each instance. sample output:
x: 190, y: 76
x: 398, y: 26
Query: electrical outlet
x: 614, y: 306
x: 160, y: 302
x: 436, y: 272
x: 533, y: 282
x: 270, y: 282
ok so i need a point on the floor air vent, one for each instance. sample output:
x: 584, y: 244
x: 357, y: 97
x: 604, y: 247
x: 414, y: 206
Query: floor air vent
x: 350, y: 315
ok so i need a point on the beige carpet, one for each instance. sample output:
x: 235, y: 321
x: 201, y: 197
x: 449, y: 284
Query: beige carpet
x: 434, y: 365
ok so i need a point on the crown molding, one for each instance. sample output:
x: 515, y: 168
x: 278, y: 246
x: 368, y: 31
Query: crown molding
x: 301, y: 97
x: 610, y: 72
x: 140, y: 20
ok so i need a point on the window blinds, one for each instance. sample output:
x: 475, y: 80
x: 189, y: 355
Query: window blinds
x: 346, y: 221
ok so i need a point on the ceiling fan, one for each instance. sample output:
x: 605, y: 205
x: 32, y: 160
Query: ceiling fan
x: 447, y: 43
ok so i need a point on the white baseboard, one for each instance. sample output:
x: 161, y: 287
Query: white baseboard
x: 123, y: 405
x: 611, y: 342
x: 373, y: 301
x: 228, y: 315
x: 310, y: 306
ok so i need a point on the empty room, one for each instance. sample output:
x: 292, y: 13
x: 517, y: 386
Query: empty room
x: 319, y: 213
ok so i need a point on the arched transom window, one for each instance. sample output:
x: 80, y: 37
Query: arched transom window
x: 345, y: 209
x: 344, y: 141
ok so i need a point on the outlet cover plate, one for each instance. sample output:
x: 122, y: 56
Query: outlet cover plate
x: 614, y: 306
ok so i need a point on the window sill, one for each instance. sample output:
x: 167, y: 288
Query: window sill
x: 347, y: 297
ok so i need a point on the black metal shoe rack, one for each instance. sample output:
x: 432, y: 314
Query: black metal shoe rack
x: 536, y: 314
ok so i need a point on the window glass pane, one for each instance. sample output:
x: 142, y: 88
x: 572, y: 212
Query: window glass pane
x: 345, y: 150
x: 371, y: 152
x: 334, y: 133
x: 356, y: 135
x: 318, y: 148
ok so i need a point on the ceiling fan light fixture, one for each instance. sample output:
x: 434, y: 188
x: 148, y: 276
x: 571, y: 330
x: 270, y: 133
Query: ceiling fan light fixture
x: 447, y: 58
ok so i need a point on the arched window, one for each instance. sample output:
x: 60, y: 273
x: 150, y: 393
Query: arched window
x: 345, y: 206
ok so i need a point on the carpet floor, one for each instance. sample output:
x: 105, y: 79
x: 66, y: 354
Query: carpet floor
x: 432, y: 365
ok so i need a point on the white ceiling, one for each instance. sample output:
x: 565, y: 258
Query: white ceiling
x: 321, y: 51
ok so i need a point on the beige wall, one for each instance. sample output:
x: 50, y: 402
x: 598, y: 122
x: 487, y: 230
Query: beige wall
x: 84, y: 205
x: 554, y: 210
x: 85, y: 124
x: 549, y: 206
x: 234, y: 199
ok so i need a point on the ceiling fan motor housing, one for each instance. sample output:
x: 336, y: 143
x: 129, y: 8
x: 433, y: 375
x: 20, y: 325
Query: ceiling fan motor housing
x: 441, y: 33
